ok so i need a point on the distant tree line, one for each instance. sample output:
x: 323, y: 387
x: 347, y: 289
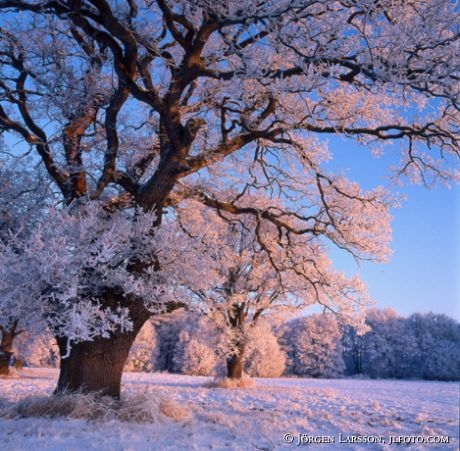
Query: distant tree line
x: 421, y: 346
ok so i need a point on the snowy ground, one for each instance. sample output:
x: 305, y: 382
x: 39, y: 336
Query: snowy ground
x: 331, y: 414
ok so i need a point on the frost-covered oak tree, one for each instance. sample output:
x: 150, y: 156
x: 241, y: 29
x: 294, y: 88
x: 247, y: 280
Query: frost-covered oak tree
x: 133, y: 108
x: 261, y: 274
x: 264, y: 356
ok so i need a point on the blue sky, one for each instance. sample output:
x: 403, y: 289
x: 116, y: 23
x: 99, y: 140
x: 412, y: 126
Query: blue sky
x: 424, y: 271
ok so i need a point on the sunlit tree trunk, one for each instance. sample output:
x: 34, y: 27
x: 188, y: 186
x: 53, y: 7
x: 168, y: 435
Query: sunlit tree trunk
x: 235, y: 363
x: 94, y: 366
x: 236, y: 316
x: 5, y: 357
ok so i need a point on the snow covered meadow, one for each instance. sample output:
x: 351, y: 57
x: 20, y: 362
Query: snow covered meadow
x: 189, y: 413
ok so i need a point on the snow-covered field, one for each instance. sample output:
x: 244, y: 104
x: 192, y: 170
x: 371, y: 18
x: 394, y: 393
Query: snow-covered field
x: 320, y: 414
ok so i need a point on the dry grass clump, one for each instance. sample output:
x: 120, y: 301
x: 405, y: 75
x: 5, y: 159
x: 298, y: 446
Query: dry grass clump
x: 93, y: 407
x: 174, y: 411
x: 227, y: 382
x: 75, y: 405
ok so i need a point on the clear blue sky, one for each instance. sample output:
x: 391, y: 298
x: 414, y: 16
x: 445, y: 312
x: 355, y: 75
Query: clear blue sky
x: 424, y: 271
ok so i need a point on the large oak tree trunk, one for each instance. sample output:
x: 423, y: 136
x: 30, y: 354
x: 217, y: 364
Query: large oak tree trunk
x: 97, y: 366
x: 94, y: 366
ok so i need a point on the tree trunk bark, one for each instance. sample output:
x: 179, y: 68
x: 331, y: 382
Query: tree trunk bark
x: 97, y: 366
x: 94, y: 366
x: 6, y: 347
x: 235, y: 364
x: 5, y: 357
x: 236, y: 315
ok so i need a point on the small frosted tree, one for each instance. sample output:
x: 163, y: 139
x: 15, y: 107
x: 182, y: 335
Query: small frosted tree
x: 37, y: 347
x: 313, y: 346
x: 264, y: 356
x: 196, y: 351
x: 194, y: 356
x: 142, y: 354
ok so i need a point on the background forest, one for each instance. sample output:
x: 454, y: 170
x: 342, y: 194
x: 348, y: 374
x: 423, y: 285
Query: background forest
x: 421, y: 346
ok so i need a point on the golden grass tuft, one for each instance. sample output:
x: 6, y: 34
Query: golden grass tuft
x: 227, y: 382
x: 93, y: 407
